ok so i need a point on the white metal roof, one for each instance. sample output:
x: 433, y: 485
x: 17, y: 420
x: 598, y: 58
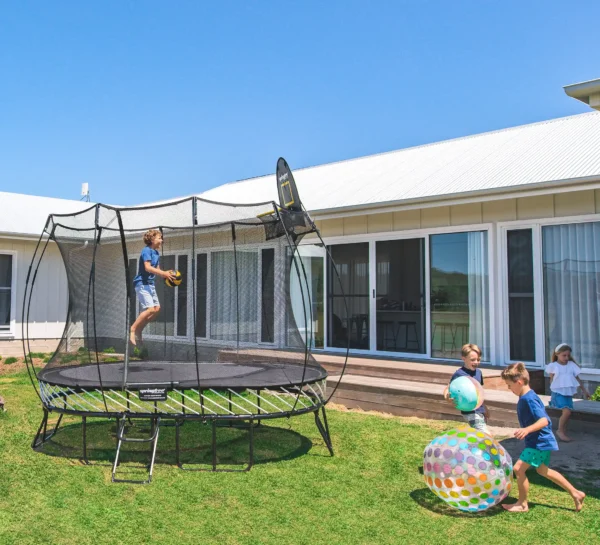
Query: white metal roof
x: 567, y: 148
x: 26, y: 215
x: 564, y: 149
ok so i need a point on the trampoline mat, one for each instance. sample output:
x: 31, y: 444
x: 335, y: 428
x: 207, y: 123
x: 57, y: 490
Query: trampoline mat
x: 182, y: 375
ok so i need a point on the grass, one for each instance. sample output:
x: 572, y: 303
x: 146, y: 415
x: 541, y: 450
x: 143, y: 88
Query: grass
x: 371, y: 492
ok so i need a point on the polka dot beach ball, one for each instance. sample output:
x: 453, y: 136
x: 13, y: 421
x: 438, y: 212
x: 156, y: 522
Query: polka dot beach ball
x: 467, y: 469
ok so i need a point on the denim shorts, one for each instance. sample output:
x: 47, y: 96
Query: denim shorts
x: 146, y: 294
x: 559, y: 401
x: 476, y: 421
x: 535, y: 457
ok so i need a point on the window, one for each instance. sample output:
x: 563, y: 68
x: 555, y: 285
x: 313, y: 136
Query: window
x: 233, y: 296
x: 268, y: 295
x: 173, y: 316
x: 459, y: 293
x: 399, y: 302
x: 352, y: 263
x: 6, y: 292
x: 201, y: 294
x: 521, y: 315
x: 571, y: 269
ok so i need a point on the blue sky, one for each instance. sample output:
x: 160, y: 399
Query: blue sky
x: 148, y: 100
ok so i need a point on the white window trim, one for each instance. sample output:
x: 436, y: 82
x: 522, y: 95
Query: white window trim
x: 11, y: 331
x: 536, y: 226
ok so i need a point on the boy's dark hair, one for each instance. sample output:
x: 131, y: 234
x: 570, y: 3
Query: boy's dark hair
x: 516, y: 371
x: 150, y: 235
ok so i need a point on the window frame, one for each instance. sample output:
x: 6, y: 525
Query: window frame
x: 502, y: 288
x: 12, y: 322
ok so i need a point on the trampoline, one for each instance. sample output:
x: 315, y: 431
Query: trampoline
x: 232, y: 342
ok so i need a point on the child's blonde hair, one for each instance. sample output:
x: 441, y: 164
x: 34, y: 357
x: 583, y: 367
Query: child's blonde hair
x: 562, y: 347
x: 516, y: 371
x: 150, y: 235
x: 468, y: 348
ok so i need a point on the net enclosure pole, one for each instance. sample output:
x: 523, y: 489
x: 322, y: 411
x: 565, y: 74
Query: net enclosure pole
x: 127, y: 296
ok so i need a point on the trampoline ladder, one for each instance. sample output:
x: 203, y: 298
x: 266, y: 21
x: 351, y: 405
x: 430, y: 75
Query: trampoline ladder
x: 122, y: 438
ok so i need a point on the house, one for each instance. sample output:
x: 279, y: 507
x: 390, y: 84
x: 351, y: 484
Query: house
x: 492, y: 238
x: 22, y: 220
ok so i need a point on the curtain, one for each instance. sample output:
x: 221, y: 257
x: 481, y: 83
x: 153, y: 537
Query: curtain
x: 571, y: 264
x: 225, y: 296
x: 478, y: 289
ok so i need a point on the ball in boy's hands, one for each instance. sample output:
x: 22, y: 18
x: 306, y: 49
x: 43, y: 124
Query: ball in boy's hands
x: 466, y: 393
x: 176, y: 281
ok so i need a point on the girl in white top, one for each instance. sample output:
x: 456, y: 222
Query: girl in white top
x: 564, y: 383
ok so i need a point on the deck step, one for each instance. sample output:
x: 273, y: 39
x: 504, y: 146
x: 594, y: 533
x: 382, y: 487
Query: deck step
x: 414, y: 371
x: 425, y: 400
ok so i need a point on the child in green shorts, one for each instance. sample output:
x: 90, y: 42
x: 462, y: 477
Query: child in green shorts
x: 536, y: 430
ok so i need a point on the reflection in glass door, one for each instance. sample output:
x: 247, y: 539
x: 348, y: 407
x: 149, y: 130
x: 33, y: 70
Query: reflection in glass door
x: 352, y: 263
x: 459, y: 293
x: 313, y: 268
x: 399, y: 295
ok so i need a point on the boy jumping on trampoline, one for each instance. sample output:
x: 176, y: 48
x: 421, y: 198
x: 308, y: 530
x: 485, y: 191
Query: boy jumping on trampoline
x: 148, y: 269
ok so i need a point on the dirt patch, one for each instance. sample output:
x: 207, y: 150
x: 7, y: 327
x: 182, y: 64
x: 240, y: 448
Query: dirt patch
x: 18, y: 366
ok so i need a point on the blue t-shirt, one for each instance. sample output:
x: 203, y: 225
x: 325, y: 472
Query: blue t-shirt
x: 530, y: 409
x: 144, y: 277
x: 476, y: 374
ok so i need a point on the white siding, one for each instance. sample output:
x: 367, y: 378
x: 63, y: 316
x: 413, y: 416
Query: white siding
x: 48, y: 309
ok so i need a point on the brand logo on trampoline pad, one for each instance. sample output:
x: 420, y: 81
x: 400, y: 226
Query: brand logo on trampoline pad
x: 153, y: 394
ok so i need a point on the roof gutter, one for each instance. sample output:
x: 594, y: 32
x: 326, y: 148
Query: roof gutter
x: 466, y: 197
x: 587, y: 92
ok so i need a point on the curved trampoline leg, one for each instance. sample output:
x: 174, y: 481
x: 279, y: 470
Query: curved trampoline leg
x: 323, y: 428
x: 42, y: 434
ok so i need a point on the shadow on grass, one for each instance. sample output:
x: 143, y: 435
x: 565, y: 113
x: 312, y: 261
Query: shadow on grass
x: 271, y: 444
x: 428, y: 500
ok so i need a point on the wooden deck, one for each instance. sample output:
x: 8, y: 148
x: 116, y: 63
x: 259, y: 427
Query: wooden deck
x: 414, y: 387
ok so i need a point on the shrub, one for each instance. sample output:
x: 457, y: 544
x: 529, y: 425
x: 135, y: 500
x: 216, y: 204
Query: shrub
x: 596, y: 395
x: 82, y: 350
x: 47, y: 359
x: 110, y: 360
x: 68, y: 358
x: 10, y: 360
x: 109, y: 350
x: 38, y: 355
x: 0, y: 358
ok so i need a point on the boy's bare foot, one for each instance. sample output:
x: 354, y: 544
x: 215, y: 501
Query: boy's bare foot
x: 563, y: 437
x: 578, y: 498
x: 132, y: 338
x: 516, y: 507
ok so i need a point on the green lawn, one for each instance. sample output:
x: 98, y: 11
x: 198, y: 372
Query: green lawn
x: 370, y: 492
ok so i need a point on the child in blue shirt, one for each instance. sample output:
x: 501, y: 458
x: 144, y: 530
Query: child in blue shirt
x: 536, y: 430
x: 471, y: 356
x: 148, y: 269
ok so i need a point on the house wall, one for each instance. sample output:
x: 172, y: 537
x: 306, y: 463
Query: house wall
x: 48, y: 310
x: 526, y: 208
x: 491, y: 213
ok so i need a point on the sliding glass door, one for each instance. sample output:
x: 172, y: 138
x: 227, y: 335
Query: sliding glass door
x: 307, y: 294
x: 520, y: 292
x: 459, y: 293
x: 352, y: 263
x: 571, y: 278
x: 399, y: 302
